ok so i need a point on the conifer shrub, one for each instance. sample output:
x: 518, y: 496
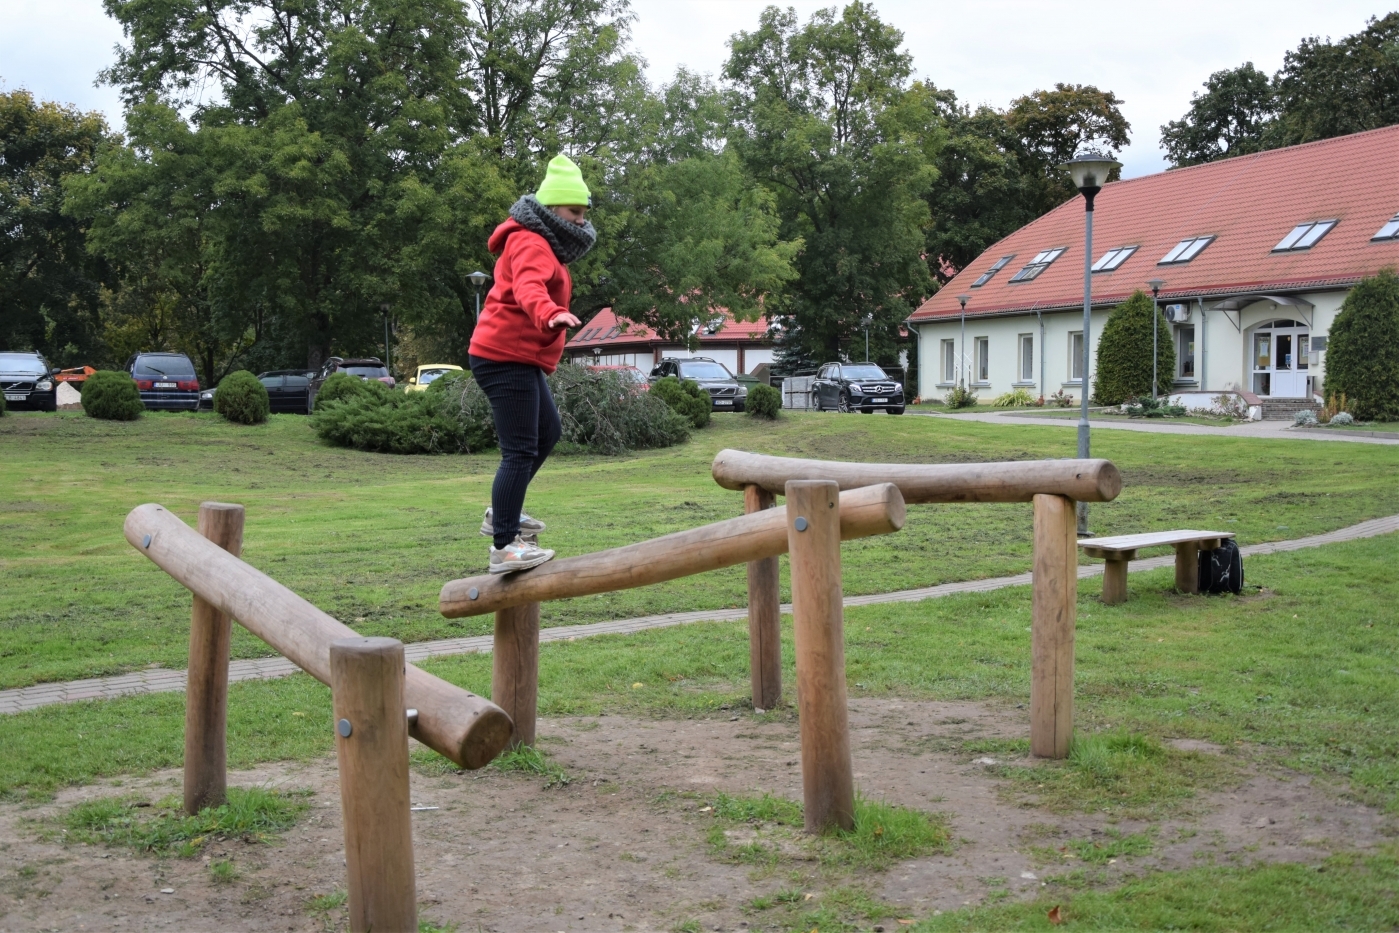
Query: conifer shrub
x: 242, y: 399
x: 469, y: 405
x: 340, y: 386
x: 3, y: 409
x: 604, y: 412
x: 685, y: 397
x: 764, y: 402
x: 1124, y: 354
x: 1362, y: 353
x: 112, y: 396
x: 383, y: 420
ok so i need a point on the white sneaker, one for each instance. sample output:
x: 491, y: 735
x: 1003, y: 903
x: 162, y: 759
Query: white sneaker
x: 528, y: 526
x: 518, y: 555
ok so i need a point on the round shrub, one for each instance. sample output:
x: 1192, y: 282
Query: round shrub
x: 685, y: 397
x: 1304, y: 417
x: 341, y: 386
x: 1362, y: 354
x: 1342, y: 417
x: 1124, y: 353
x: 242, y: 399
x: 764, y: 402
x: 2, y: 406
x: 112, y: 396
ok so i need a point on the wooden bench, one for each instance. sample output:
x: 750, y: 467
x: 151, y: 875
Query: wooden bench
x: 1121, y: 550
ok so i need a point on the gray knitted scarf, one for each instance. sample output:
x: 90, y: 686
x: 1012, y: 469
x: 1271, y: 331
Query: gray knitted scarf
x: 569, y: 241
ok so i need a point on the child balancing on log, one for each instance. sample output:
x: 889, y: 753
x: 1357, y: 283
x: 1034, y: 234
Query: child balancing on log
x: 519, y: 340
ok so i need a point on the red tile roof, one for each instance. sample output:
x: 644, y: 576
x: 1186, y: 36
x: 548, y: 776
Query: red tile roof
x: 1248, y: 204
x: 607, y: 330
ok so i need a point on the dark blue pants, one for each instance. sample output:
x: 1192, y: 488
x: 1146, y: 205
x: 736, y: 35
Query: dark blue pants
x: 527, y: 424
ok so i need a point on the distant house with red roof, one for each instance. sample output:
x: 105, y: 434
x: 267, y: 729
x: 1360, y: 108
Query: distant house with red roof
x: 608, y: 340
x: 1256, y: 252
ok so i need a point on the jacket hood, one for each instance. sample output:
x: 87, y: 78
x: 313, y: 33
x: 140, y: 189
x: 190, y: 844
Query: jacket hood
x: 496, y: 244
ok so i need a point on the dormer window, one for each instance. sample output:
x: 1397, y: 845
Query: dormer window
x: 1113, y: 258
x: 986, y: 276
x: 1037, y: 265
x: 1304, y: 236
x: 1186, y: 250
x: 1390, y: 231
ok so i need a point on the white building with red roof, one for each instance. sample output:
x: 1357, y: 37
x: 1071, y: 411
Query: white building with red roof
x: 1256, y: 252
x: 608, y: 340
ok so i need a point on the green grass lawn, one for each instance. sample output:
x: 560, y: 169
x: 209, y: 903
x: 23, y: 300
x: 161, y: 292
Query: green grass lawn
x: 371, y: 537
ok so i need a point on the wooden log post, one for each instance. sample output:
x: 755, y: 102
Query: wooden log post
x: 515, y: 669
x: 1188, y: 567
x: 371, y: 745
x: 1115, y: 581
x: 1053, y: 611
x: 206, y: 691
x: 764, y: 616
x: 813, y: 528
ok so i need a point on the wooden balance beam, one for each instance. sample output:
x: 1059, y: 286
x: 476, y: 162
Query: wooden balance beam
x: 1052, y: 486
x: 466, y: 728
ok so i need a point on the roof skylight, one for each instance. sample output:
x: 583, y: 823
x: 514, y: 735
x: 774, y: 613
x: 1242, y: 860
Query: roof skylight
x: 1037, y: 265
x: 1186, y: 250
x: 1390, y: 231
x: 587, y: 333
x: 1304, y: 236
x: 986, y: 276
x: 1113, y: 258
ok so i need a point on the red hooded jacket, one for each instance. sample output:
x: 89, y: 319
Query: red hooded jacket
x: 531, y: 288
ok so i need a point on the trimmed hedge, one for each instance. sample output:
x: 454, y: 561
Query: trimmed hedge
x: 685, y: 397
x: 242, y: 399
x: 1124, y: 354
x: 1362, y: 353
x: 339, y: 387
x: 112, y: 396
x: 764, y: 402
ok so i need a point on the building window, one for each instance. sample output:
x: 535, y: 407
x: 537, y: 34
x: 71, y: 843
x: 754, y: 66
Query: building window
x: 1027, y: 358
x: 1076, y: 356
x: 1390, y: 231
x: 949, y: 361
x: 1113, y: 258
x: 983, y: 359
x: 1304, y: 236
x: 986, y: 276
x: 1185, y: 352
x: 1037, y: 265
x: 1186, y: 250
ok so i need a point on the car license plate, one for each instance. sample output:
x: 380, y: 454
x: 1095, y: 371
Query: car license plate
x: 723, y: 401
x: 165, y: 385
x: 15, y: 396
x: 878, y: 401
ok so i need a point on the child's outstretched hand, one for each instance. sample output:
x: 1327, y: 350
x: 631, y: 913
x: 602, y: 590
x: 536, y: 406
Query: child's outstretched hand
x: 565, y: 319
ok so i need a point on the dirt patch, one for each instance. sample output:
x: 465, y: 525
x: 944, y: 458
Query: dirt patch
x: 623, y: 845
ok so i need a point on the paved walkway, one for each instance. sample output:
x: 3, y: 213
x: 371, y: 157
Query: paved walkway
x: 1265, y: 429
x: 163, y: 680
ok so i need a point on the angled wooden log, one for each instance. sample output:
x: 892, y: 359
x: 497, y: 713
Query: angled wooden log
x: 1021, y: 481
x: 875, y: 510
x: 468, y: 729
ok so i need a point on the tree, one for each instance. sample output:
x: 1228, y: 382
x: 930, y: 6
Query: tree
x: 1228, y: 119
x: 826, y: 120
x: 1124, y: 353
x: 1054, y: 126
x: 1362, y: 354
x: 50, y: 286
x: 1327, y: 89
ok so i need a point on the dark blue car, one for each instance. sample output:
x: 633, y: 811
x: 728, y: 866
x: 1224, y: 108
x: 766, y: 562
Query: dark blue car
x: 167, y: 381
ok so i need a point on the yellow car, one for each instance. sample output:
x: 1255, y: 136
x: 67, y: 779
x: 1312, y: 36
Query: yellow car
x: 427, y: 373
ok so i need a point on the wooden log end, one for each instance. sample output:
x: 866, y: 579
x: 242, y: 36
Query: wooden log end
x: 1109, y: 480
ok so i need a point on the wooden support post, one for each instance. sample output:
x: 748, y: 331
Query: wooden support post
x: 764, y: 616
x: 206, y: 691
x: 515, y: 669
x: 813, y: 530
x: 1054, y: 605
x: 1188, y: 567
x: 371, y: 743
x: 1115, y: 582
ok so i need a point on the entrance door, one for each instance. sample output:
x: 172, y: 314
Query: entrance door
x: 1279, y: 360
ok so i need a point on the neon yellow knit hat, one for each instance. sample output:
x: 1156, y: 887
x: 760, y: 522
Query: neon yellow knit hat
x: 563, y: 184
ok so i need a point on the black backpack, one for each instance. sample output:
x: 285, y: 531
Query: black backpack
x: 1222, y: 570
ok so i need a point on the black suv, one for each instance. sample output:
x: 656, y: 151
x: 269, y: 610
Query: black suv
x: 856, y: 387
x: 167, y: 381
x: 725, y: 392
x: 27, y: 380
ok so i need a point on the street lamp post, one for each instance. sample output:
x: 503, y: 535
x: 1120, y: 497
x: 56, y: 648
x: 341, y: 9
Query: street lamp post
x: 388, y: 353
x: 869, y: 319
x: 1089, y: 172
x: 962, y: 351
x: 478, y: 278
x: 1155, y: 326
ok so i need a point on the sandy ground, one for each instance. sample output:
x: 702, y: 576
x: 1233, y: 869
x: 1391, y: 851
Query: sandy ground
x: 623, y: 846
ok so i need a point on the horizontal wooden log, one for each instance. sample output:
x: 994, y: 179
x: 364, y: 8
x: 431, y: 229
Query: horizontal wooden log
x: 1020, y: 481
x: 468, y: 729
x: 874, y: 510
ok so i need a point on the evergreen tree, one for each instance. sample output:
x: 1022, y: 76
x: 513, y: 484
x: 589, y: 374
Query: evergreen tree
x: 1362, y: 354
x: 1124, y: 353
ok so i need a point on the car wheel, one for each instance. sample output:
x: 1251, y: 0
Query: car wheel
x: 845, y: 408
x: 866, y: 411
x: 896, y: 410
x: 816, y: 401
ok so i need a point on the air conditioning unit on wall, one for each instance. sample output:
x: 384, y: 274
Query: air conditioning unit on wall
x: 1177, y: 313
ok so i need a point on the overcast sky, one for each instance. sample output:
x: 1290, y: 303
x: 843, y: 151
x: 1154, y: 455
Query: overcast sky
x: 1153, y: 55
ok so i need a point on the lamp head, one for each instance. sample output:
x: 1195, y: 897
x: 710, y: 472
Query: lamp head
x: 479, y: 278
x: 1089, y: 170
x: 1155, y: 285
x: 963, y: 299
